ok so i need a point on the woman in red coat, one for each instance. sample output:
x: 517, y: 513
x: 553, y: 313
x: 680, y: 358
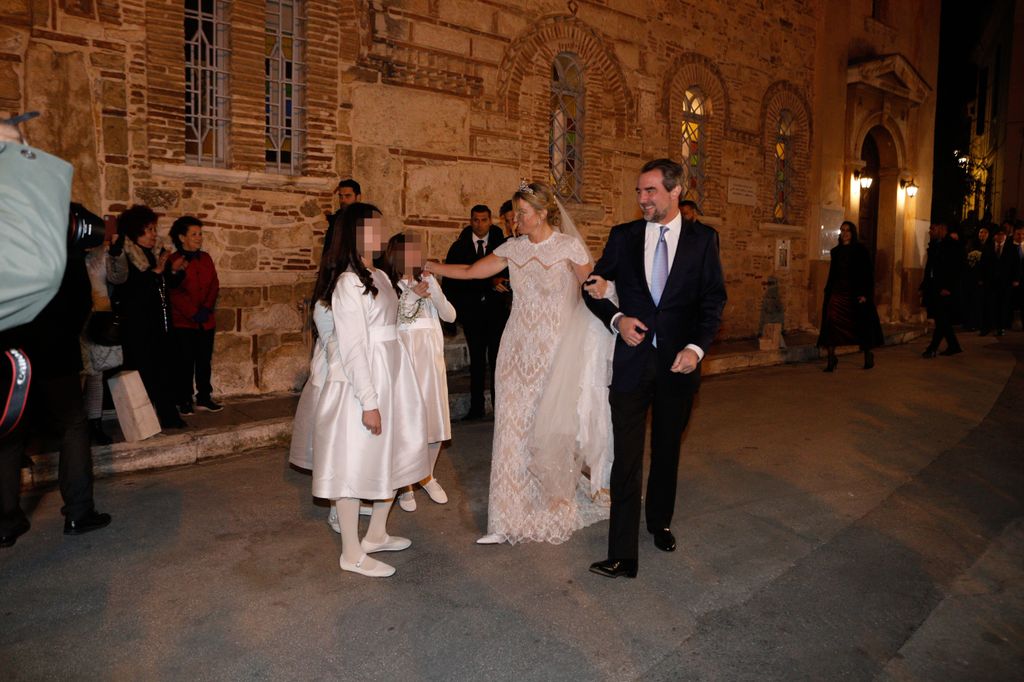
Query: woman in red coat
x: 193, y: 293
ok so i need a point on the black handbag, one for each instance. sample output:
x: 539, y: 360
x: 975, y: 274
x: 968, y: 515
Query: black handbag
x: 104, y: 328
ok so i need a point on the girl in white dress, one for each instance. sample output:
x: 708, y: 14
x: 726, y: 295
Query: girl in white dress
x: 421, y: 306
x: 537, y: 492
x: 370, y: 434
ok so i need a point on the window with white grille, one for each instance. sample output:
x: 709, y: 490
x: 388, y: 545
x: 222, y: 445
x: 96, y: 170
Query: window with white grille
x: 206, y: 82
x: 284, y: 62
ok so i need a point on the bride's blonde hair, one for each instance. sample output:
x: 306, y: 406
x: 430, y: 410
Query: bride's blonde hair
x: 541, y: 197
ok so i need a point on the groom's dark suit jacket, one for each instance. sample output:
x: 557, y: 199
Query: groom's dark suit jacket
x: 691, y: 305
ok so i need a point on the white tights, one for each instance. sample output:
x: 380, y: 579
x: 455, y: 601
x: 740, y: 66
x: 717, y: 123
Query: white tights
x: 348, y: 519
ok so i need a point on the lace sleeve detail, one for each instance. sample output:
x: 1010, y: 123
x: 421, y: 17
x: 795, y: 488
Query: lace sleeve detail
x: 508, y: 248
x: 577, y: 252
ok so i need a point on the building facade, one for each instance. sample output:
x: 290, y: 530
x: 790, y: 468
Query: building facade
x: 245, y: 113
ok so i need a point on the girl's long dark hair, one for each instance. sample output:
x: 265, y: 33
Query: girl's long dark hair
x: 388, y: 261
x: 343, y: 253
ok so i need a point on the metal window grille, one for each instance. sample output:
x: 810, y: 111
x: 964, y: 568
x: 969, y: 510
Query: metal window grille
x: 783, y: 168
x: 693, y: 130
x: 285, y: 72
x: 566, y: 143
x: 206, y: 81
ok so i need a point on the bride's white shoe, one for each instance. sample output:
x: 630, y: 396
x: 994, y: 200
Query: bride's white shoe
x: 491, y: 539
x: 367, y: 566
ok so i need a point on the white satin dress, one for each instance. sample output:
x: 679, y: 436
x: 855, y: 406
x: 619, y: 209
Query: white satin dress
x: 301, y: 451
x: 372, y: 370
x: 419, y: 327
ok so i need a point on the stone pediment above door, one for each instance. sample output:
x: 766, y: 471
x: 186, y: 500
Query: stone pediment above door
x: 891, y: 74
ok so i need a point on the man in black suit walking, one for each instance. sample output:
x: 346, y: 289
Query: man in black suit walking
x: 1002, y: 279
x: 481, y: 306
x: 938, y: 288
x: 668, y: 276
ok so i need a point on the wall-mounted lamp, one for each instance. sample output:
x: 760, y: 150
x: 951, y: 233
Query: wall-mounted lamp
x: 909, y: 187
x: 865, y: 180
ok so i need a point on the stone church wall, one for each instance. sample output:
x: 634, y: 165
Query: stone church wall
x: 433, y: 105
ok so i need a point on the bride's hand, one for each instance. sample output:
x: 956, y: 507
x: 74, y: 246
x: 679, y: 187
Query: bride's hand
x: 422, y: 289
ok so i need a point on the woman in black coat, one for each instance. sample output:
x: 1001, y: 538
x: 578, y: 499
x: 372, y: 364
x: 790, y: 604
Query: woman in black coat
x: 848, y: 315
x: 142, y: 306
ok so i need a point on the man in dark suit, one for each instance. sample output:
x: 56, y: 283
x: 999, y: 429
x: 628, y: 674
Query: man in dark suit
x: 942, y: 271
x: 481, y: 306
x: 348, y: 193
x: 668, y: 276
x: 1002, y: 280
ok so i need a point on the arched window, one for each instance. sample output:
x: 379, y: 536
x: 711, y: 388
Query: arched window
x: 566, y: 143
x: 783, y: 165
x: 693, y: 133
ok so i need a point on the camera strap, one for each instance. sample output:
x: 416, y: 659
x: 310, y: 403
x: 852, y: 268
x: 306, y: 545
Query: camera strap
x: 17, y: 363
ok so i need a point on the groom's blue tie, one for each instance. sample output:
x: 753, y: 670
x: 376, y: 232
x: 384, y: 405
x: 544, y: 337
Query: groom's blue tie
x: 659, y: 272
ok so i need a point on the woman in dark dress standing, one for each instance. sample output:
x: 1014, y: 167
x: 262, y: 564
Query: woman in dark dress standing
x: 848, y: 315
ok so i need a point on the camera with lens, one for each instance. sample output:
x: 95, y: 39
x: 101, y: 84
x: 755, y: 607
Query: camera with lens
x: 86, y: 230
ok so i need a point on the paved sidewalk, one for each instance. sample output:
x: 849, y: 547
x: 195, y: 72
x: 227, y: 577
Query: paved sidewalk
x: 861, y: 525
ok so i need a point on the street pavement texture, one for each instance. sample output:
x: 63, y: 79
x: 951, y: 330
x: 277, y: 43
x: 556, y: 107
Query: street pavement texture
x: 856, y: 526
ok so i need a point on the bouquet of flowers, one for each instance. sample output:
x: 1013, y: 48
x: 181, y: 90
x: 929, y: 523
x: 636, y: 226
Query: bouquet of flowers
x: 973, y: 257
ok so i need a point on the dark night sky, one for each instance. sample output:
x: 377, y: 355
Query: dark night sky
x: 962, y: 22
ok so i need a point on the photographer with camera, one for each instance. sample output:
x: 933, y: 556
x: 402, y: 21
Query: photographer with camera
x: 33, y: 201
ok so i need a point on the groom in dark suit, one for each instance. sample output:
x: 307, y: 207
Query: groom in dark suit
x: 668, y: 276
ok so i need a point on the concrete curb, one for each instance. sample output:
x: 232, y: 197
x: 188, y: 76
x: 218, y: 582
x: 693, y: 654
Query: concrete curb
x: 168, y: 450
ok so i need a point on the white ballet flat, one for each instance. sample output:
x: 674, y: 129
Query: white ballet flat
x: 380, y: 570
x: 332, y: 520
x: 393, y: 543
x: 407, y: 501
x: 436, y: 492
x: 491, y: 539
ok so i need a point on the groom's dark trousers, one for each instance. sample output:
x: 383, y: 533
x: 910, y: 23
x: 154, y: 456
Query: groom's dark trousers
x: 689, y: 312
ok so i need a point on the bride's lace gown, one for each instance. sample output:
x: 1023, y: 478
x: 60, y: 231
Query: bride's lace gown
x: 546, y: 293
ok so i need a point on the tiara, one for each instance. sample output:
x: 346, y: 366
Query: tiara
x: 525, y: 188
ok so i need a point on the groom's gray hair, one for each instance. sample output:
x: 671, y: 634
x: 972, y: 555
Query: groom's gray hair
x: 671, y: 172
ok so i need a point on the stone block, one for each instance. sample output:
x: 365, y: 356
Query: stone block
x: 441, y: 38
x: 377, y: 171
x: 239, y: 237
x: 771, y: 337
x: 390, y: 116
x: 112, y: 95
x: 278, y: 317
x: 117, y: 188
x: 294, y: 236
x: 115, y: 135
x: 452, y: 189
x: 232, y: 364
x: 467, y: 13
x: 239, y: 297
x: 284, y: 368
x: 246, y: 260
x: 225, y: 319
x: 10, y: 96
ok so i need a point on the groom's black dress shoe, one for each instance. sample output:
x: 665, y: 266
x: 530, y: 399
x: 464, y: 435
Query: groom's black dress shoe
x: 93, y: 520
x: 613, y: 568
x: 664, y: 540
x: 12, y: 535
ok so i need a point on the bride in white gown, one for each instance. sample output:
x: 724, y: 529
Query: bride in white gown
x: 551, y: 457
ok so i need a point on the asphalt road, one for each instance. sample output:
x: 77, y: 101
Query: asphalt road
x: 862, y: 525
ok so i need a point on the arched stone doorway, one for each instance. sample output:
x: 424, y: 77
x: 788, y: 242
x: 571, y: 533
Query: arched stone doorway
x: 879, y: 219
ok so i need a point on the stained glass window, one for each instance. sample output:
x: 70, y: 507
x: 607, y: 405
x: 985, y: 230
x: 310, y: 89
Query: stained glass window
x: 284, y: 101
x: 783, y: 167
x: 206, y: 81
x: 566, y: 143
x: 693, y: 130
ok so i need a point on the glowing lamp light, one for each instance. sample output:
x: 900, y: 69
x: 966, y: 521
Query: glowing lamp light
x: 909, y: 187
x: 865, y: 181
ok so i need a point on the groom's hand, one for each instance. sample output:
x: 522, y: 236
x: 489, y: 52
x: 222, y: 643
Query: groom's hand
x: 631, y: 330
x: 596, y: 286
x: 686, y: 361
